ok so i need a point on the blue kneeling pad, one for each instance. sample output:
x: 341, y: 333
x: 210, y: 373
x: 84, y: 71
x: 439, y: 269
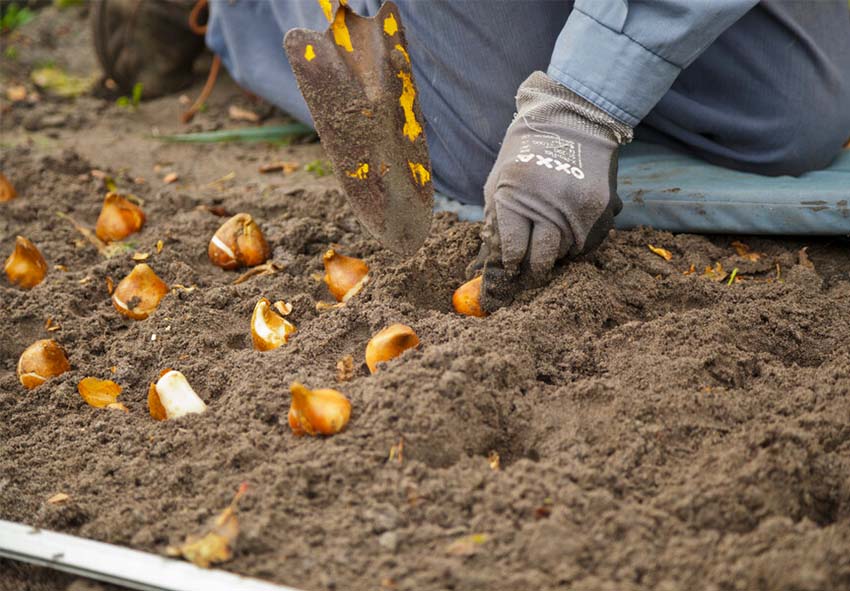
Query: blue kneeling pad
x: 668, y: 190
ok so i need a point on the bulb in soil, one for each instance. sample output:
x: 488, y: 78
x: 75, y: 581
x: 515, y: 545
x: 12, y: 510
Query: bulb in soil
x: 467, y: 299
x: 41, y: 361
x: 172, y: 397
x: 343, y: 274
x: 139, y: 293
x: 99, y: 393
x: 269, y: 328
x: 7, y: 191
x: 317, y: 412
x: 389, y: 344
x: 118, y: 218
x: 25, y: 267
x: 239, y: 242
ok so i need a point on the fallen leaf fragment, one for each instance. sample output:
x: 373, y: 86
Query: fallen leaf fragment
x: 662, y: 252
x: 7, y: 190
x: 216, y: 544
x: 110, y: 284
x: 744, y: 251
x: 715, y: 273
x: 16, y: 94
x: 141, y: 256
x: 467, y: 545
x: 803, y: 257
x: 397, y: 452
x: 345, y: 369
x: 58, y: 499
x: 98, y: 393
x: 240, y: 114
x: 117, y: 406
x: 494, y: 461
x: 159, y: 246
x: 691, y: 270
x: 57, y: 82
x: 279, y: 166
x: 171, y: 177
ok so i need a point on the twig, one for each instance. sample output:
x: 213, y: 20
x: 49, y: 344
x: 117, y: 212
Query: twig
x: 99, y: 244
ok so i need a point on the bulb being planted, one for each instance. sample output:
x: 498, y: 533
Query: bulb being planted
x: 41, y: 361
x: 269, y: 328
x: 25, y: 267
x: 389, y: 344
x: 7, y: 190
x: 344, y: 276
x: 119, y: 217
x: 172, y: 397
x: 239, y: 242
x: 467, y: 299
x: 139, y: 293
x: 317, y: 412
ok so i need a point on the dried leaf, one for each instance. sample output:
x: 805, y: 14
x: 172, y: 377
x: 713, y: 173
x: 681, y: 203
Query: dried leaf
x: 397, y: 451
x: 155, y: 405
x: 691, y: 270
x: 98, y: 393
x: 171, y: 177
x: 804, y: 258
x: 715, y: 273
x: 117, y: 406
x: 58, y: 499
x: 57, y: 82
x: 215, y: 545
x: 662, y: 252
x: 62, y: 268
x: 744, y: 251
x: 141, y: 256
x: 110, y: 285
x: 345, y: 369
x: 267, y: 268
x: 467, y: 545
x: 325, y: 306
x: 16, y: 94
x: 285, y: 167
x: 240, y: 114
x: 494, y: 461
x: 159, y: 246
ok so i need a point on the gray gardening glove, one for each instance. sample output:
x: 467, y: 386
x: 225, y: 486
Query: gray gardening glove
x: 553, y: 190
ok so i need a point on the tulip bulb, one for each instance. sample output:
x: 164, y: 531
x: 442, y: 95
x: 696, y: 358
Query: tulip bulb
x: 25, y: 267
x: 467, y: 299
x: 344, y: 275
x: 7, y: 191
x: 317, y: 412
x: 389, y: 344
x: 269, y: 328
x: 172, y: 397
x: 138, y: 294
x: 118, y: 218
x: 239, y: 242
x: 41, y: 361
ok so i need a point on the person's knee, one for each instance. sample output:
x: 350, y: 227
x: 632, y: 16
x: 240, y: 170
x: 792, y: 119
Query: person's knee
x: 803, y: 140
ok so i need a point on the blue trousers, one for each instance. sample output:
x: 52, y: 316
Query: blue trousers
x: 771, y: 95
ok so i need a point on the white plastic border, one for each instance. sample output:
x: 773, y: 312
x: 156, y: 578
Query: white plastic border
x: 116, y: 564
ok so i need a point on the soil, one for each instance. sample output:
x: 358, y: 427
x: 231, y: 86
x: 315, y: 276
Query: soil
x: 655, y: 429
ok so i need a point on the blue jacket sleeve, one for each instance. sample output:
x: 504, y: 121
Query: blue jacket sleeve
x: 623, y: 55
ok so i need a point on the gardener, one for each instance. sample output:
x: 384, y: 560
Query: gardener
x: 761, y: 87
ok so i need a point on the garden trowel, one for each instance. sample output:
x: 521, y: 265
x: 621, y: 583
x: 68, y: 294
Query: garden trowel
x: 358, y: 83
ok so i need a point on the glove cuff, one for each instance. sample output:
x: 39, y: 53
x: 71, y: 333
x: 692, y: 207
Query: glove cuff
x: 541, y: 96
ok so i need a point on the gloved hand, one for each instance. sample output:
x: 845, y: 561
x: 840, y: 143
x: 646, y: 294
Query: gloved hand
x: 552, y: 191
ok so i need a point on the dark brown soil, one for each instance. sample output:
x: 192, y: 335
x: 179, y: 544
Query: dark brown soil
x: 656, y: 430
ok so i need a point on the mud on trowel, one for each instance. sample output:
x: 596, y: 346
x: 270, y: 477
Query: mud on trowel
x: 357, y: 80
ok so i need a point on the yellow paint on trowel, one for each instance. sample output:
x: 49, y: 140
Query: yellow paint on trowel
x: 309, y: 53
x: 326, y: 8
x: 412, y: 129
x: 340, y: 31
x: 403, y: 51
x: 390, y: 25
x: 361, y: 173
x: 419, y: 172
